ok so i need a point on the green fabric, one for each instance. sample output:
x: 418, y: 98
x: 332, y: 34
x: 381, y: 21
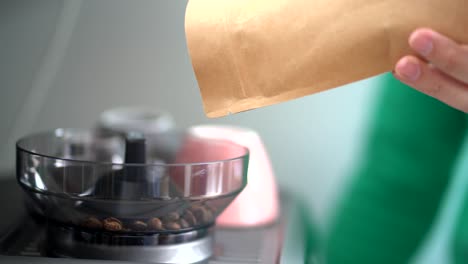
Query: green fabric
x: 459, y: 246
x: 460, y: 242
x: 396, y: 191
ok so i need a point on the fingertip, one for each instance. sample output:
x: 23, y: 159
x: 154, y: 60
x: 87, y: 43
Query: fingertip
x: 422, y: 41
x: 398, y: 66
x: 423, y: 31
x: 408, y: 69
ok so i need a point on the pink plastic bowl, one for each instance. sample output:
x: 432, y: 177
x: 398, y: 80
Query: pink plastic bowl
x: 258, y: 203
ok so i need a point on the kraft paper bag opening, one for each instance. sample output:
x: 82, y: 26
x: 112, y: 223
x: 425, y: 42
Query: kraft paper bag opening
x: 252, y: 53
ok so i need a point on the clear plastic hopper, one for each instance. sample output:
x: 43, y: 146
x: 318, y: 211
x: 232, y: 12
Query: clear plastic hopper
x: 166, y: 183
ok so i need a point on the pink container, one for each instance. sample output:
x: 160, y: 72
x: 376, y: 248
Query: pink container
x: 258, y: 203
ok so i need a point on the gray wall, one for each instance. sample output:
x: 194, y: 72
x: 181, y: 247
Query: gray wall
x: 65, y: 62
x: 26, y: 28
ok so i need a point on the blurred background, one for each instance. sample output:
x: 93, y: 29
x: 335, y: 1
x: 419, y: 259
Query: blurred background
x: 64, y: 62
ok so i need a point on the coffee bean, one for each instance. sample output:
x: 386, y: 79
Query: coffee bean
x: 203, y: 215
x: 196, y: 205
x: 190, y: 218
x: 183, y: 223
x: 172, y: 217
x: 193, y: 208
x: 92, y: 222
x: 155, y: 224
x: 112, y: 224
x: 212, y: 208
x: 172, y: 226
x: 139, y: 226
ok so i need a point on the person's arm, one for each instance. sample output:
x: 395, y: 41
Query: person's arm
x: 442, y: 70
x: 395, y: 193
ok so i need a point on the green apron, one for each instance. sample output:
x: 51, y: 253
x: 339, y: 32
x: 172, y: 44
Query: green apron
x: 396, y: 191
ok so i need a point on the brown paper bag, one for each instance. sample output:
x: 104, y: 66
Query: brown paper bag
x: 252, y: 53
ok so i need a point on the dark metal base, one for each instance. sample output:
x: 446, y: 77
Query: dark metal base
x: 23, y: 239
x: 187, y: 247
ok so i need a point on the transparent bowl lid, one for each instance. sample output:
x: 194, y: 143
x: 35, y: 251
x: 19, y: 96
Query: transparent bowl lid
x: 79, y: 177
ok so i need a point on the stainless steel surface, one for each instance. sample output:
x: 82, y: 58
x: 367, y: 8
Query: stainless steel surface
x: 143, y: 119
x: 259, y: 245
x: 186, y: 252
x: 185, y: 247
x: 282, y: 242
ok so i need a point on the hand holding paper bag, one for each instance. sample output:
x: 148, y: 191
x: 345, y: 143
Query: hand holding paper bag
x: 443, y: 72
x: 252, y: 53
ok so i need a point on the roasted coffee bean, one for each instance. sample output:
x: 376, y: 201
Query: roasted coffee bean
x: 211, y: 208
x: 139, y: 226
x: 92, y: 222
x: 172, y: 217
x: 183, y: 223
x: 155, y: 224
x: 195, y: 205
x: 203, y: 215
x: 190, y: 218
x: 172, y: 226
x: 112, y: 224
x: 193, y: 208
